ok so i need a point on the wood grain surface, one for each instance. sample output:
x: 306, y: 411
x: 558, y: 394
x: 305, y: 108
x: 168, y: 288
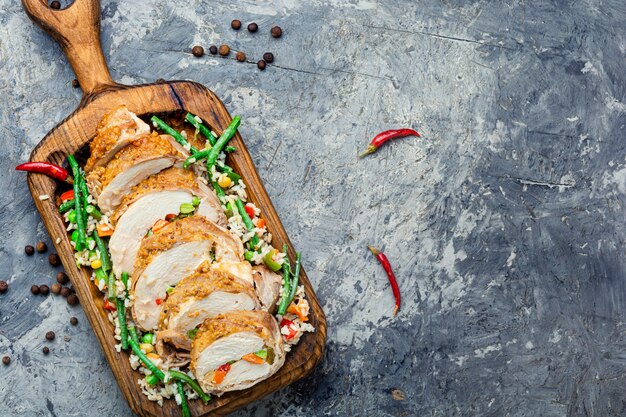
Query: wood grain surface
x: 79, y: 38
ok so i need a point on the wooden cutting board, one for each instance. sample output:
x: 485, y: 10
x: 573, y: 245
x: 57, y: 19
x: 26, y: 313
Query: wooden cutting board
x: 77, y: 29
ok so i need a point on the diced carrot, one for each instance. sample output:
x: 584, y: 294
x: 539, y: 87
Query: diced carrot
x: 68, y: 195
x: 220, y: 373
x: 252, y: 358
x: 104, y: 230
x: 109, y: 306
x: 160, y: 224
x: 260, y: 223
x: 153, y: 356
x: 295, y: 309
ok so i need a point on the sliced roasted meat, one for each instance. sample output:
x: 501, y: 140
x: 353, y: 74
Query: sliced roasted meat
x: 171, y: 254
x: 131, y: 165
x: 235, y: 350
x: 116, y: 130
x: 151, y: 200
x: 204, y: 294
x: 241, y: 270
x: 267, y: 284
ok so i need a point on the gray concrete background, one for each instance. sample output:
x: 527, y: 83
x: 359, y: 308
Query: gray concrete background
x: 505, y: 222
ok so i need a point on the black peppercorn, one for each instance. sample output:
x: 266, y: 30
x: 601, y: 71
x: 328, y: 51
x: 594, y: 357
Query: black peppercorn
x: 54, y: 259
x: 29, y: 250
x: 46, y: 350
x: 72, y: 299
x: 41, y: 247
x: 50, y: 335
x: 56, y: 5
x: 34, y: 289
x: 6, y: 360
x: 197, y: 51
x: 253, y: 27
x: 73, y: 321
x: 235, y: 24
x: 268, y: 57
x: 62, y: 278
x: 4, y: 286
x: 213, y: 49
x: 261, y: 65
x: 276, y: 32
x: 44, y: 290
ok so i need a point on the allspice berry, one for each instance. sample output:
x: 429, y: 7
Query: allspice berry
x: 197, y: 51
x: 46, y: 350
x: 54, y: 260
x: 72, y: 299
x: 213, y: 50
x: 29, y: 250
x: 73, y: 321
x: 56, y: 288
x: 224, y: 50
x: 56, y: 5
x: 4, y: 286
x: 261, y: 65
x: 235, y: 24
x: 253, y: 27
x: 6, y: 360
x: 241, y: 57
x: 34, y: 289
x: 41, y: 247
x: 276, y: 32
x: 50, y: 335
x: 44, y: 290
x: 62, y: 278
x: 65, y: 292
x: 268, y: 57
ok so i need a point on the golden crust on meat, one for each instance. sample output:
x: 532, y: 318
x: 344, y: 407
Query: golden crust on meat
x: 173, y: 178
x: 149, y: 146
x: 188, y: 229
x: 258, y: 322
x: 203, y: 282
x: 108, y: 133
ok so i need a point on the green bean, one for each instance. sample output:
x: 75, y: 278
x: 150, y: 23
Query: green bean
x: 183, y: 377
x: 80, y: 242
x: 230, y: 173
x: 121, y: 317
x: 152, y: 379
x: 183, y: 400
x: 132, y: 332
x: 67, y: 205
x: 137, y: 350
x: 202, y: 128
x: 125, y: 279
x: 197, y: 156
x: 296, y: 277
x: 284, y: 301
x: 254, y: 240
x: 227, y: 135
x: 111, y: 287
x: 230, y: 149
x: 104, y: 252
x: 93, y: 212
x: 173, y: 133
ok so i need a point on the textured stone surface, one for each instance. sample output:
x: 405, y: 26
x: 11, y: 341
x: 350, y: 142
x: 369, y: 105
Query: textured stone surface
x: 505, y: 222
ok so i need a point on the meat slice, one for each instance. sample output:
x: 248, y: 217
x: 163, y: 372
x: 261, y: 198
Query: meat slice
x: 152, y: 200
x: 171, y: 254
x: 224, y: 340
x: 202, y: 295
x: 131, y: 165
x: 116, y: 130
x: 241, y: 270
x: 267, y: 284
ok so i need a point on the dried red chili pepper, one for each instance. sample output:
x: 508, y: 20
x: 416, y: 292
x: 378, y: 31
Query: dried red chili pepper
x: 383, y: 137
x: 392, y: 278
x: 48, y: 169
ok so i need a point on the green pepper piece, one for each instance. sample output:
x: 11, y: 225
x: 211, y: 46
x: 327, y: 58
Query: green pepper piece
x: 187, y: 208
x: 270, y: 262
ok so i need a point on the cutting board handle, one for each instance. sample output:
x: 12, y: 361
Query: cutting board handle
x: 77, y: 30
